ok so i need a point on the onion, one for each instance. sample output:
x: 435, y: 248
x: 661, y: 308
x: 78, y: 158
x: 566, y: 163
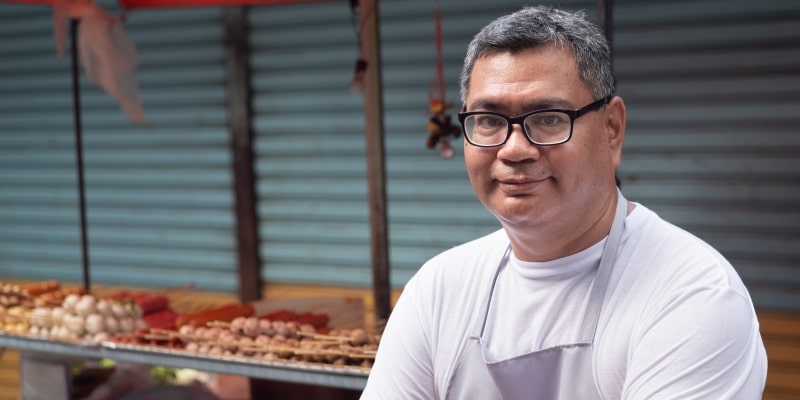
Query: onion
x: 95, y: 323
x: 238, y: 323
x: 112, y: 325
x: 186, y: 330
x: 75, y: 324
x: 280, y: 328
x: 104, y: 308
x: 358, y: 337
x: 265, y: 327
x: 86, y: 305
x: 126, y: 325
x: 61, y: 332
x: 41, y: 316
x: 251, y: 327
x: 119, y: 310
x: 57, y: 316
x: 70, y: 301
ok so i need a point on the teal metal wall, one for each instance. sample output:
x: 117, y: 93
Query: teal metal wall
x: 713, y: 89
x: 158, y: 196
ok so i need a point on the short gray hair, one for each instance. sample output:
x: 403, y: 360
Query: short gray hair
x: 541, y: 25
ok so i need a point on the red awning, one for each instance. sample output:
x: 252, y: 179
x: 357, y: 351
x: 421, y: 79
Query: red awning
x: 43, y: 2
x: 133, y: 4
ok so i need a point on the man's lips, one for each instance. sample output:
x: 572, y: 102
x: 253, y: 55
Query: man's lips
x: 515, y: 186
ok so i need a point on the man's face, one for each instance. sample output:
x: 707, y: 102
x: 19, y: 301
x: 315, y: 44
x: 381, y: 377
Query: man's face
x: 525, y: 185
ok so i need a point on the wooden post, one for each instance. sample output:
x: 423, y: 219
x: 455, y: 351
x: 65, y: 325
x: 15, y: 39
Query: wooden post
x: 240, y: 125
x: 376, y: 174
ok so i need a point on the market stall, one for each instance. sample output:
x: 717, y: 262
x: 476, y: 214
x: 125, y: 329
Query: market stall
x: 317, y: 342
x: 110, y: 62
x: 51, y: 347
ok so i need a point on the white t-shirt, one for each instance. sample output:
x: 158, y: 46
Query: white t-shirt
x: 676, y: 323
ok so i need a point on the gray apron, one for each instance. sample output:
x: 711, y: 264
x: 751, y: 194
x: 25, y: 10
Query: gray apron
x: 559, y: 372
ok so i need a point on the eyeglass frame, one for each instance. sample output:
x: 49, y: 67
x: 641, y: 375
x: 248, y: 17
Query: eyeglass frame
x: 520, y: 120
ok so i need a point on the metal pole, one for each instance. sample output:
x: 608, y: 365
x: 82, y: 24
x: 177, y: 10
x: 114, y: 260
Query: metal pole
x: 240, y: 125
x: 76, y: 108
x: 373, y: 114
x: 605, y: 19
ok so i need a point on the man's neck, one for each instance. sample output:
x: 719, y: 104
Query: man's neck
x: 560, y: 240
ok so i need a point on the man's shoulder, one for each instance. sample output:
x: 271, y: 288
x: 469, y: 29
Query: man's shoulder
x: 652, y: 229
x: 674, y: 254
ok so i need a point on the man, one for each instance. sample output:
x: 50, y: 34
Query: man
x: 581, y: 294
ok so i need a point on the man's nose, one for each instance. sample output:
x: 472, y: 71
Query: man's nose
x: 518, y: 147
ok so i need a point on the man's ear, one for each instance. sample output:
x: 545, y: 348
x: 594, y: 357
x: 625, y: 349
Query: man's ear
x: 614, y: 124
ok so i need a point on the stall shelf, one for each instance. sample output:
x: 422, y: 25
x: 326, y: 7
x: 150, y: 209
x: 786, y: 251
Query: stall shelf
x: 344, y: 377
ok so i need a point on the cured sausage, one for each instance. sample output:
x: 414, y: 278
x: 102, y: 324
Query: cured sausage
x: 224, y: 313
x: 37, y: 288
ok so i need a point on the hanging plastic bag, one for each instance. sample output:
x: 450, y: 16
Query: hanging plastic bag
x: 107, y: 55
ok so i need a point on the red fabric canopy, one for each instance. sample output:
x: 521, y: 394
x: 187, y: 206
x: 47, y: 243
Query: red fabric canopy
x: 133, y: 4
x: 45, y: 2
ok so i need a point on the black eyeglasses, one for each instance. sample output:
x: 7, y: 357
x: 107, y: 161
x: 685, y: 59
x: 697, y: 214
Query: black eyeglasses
x: 542, y: 127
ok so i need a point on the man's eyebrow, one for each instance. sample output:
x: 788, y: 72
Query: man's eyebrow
x: 539, y: 104
x: 543, y: 104
x: 484, y: 105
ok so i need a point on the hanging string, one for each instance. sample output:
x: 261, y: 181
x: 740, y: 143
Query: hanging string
x: 355, y: 22
x: 438, y: 81
x: 360, y: 69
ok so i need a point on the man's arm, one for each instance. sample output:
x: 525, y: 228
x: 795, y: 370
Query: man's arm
x: 703, y: 343
x: 403, y: 367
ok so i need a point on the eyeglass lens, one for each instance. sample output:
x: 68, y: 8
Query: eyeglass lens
x: 542, y: 128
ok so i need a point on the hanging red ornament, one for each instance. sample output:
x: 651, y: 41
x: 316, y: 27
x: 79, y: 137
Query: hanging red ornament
x: 440, y: 126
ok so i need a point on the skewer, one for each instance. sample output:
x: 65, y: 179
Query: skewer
x: 267, y: 348
x: 320, y: 352
x: 320, y: 343
x: 150, y: 336
x: 164, y: 331
x: 363, y: 356
x: 19, y: 318
x: 325, y: 337
x: 176, y: 334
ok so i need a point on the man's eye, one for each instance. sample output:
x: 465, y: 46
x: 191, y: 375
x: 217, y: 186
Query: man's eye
x: 548, y: 119
x: 489, y: 122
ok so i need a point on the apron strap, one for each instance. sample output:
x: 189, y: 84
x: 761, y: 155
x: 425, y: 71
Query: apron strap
x: 477, y: 329
x: 592, y: 315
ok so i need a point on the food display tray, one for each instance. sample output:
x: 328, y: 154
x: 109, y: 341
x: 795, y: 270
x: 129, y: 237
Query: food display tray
x: 346, y: 377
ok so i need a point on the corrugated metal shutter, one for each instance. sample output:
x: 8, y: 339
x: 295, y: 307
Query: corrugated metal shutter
x: 309, y: 145
x: 38, y: 201
x: 310, y: 139
x: 713, y: 89
x: 159, y: 200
